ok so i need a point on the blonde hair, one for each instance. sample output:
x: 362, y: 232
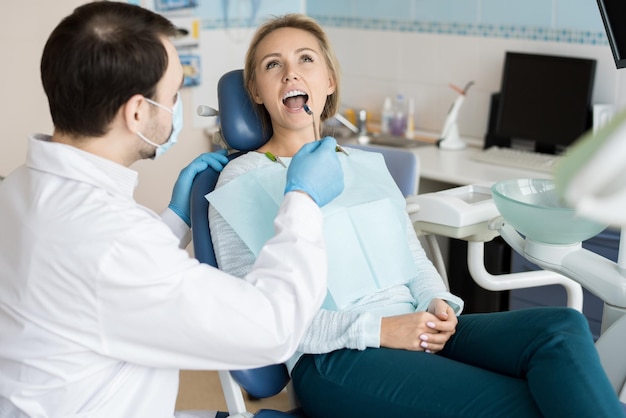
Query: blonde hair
x: 305, y: 23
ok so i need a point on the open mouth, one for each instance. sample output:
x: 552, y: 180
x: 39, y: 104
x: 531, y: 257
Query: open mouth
x: 295, y: 99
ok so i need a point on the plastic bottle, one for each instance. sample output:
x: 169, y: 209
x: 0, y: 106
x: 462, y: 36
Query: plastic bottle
x: 350, y: 115
x: 410, y: 120
x: 386, y: 116
x: 398, y: 121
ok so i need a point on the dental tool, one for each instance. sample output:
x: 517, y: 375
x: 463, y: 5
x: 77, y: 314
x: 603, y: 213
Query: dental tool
x: 275, y: 159
x: 309, y: 112
x: 316, y: 133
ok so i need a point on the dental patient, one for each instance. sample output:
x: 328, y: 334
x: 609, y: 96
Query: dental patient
x: 389, y: 339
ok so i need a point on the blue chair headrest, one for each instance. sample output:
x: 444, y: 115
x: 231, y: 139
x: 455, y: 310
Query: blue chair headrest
x: 241, y: 125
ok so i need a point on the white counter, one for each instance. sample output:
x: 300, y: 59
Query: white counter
x: 440, y: 168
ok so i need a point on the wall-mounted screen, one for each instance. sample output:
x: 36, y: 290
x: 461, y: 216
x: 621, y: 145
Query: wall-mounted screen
x: 545, y: 99
x: 613, y: 14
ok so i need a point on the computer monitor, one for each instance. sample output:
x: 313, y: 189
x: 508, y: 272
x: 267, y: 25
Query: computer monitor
x: 545, y: 100
x: 613, y: 14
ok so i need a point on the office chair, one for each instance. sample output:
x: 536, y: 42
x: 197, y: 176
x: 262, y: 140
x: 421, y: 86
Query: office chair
x: 242, y: 130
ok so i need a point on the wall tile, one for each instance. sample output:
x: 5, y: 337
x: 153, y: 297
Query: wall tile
x: 576, y: 21
x: 458, y: 11
x: 343, y: 8
x: 421, y: 65
x: 387, y: 9
x: 515, y: 12
x: 243, y: 14
x: 578, y: 14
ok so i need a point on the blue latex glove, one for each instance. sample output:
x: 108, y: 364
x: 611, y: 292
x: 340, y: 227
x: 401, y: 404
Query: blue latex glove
x: 316, y: 170
x: 181, y: 196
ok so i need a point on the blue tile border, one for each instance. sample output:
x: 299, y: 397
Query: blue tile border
x: 444, y: 28
x: 465, y: 29
x: 211, y: 24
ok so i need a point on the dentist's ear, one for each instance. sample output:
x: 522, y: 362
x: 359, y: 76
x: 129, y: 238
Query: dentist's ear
x: 133, y: 111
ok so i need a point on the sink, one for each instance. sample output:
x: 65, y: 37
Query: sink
x: 347, y: 136
x: 395, y: 141
x: 534, y: 209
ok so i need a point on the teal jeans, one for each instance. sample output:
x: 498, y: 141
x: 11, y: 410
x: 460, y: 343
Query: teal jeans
x: 538, y: 362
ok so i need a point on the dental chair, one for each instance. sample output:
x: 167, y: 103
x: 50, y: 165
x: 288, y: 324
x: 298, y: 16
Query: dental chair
x: 242, y: 131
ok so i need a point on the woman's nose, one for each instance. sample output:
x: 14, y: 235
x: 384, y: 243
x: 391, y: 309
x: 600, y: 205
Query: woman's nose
x: 291, y: 75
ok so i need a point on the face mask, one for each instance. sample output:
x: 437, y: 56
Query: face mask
x: 177, y: 126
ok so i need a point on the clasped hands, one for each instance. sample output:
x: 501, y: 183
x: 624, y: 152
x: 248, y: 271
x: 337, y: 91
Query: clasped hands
x: 427, y: 331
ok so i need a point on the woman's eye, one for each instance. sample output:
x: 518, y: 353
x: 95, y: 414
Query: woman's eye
x: 271, y: 64
x: 307, y: 58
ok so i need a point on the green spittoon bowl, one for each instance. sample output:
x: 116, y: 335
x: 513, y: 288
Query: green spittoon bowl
x: 534, y: 208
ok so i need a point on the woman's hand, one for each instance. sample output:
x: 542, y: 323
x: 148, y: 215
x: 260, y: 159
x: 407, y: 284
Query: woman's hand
x: 420, y: 331
x: 445, y: 314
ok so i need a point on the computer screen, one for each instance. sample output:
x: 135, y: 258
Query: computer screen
x: 545, y: 99
x: 613, y: 14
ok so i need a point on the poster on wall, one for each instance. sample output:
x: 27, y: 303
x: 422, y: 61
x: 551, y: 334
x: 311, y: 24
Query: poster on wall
x: 163, y: 6
x: 188, y: 47
x: 183, y: 14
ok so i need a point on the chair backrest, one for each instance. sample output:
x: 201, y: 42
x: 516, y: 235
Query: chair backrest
x: 242, y: 130
x: 402, y: 165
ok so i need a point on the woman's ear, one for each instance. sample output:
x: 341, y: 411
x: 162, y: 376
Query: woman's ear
x: 257, y: 98
x: 332, y: 85
x: 254, y: 93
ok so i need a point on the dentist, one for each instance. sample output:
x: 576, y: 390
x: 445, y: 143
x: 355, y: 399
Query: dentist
x: 100, y: 306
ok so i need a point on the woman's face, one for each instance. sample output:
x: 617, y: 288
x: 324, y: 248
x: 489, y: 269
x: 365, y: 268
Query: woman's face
x: 291, y: 71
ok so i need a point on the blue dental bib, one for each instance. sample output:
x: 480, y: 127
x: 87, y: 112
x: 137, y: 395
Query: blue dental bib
x: 364, y: 227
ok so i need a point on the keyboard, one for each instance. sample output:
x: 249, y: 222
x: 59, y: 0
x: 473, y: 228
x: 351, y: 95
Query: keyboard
x: 515, y: 158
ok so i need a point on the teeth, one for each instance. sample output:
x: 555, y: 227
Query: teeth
x: 293, y: 93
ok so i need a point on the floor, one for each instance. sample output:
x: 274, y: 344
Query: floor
x: 201, y: 390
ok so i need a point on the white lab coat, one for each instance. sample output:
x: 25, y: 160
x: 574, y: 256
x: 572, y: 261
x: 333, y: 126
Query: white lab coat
x: 100, y: 308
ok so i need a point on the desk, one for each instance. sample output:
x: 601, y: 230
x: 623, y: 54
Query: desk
x: 442, y: 169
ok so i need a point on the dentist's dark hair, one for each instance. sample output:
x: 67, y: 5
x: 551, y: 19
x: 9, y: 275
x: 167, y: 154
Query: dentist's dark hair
x: 99, y: 57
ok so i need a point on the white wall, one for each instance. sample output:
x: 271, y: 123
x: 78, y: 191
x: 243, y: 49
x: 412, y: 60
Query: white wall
x: 24, y: 107
x: 375, y: 64
x: 423, y: 65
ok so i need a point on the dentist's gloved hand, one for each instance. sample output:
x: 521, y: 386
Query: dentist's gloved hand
x: 316, y: 171
x: 181, y: 196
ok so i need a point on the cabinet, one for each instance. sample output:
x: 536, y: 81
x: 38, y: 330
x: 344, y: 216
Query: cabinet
x: 605, y: 244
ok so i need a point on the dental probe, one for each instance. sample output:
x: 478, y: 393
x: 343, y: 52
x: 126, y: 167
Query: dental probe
x: 316, y: 133
x: 309, y: 112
